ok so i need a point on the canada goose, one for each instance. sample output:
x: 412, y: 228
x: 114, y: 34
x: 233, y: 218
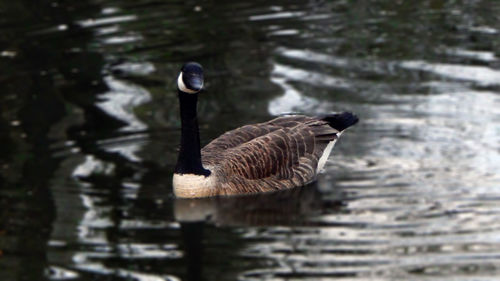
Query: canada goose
x: 282, y: 153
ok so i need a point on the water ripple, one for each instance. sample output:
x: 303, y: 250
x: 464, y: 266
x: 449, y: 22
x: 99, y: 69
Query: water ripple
x: 483, y: 76
x: 410, y: 193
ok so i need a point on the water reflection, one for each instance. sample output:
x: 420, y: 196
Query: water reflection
x: 293, y: 100
x: 291, y: 207
x: 120, y: 101
x: 483, y: 76
x: 411, y: 193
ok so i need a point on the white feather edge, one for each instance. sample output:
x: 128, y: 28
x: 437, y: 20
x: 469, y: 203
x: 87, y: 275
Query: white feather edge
x: 326, y: 153
x: 182, y: 86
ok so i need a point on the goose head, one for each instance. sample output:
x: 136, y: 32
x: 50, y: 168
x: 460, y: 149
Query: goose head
x: 190, y: 78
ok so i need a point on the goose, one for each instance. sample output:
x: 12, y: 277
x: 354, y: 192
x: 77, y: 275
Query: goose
x: 285, y: 152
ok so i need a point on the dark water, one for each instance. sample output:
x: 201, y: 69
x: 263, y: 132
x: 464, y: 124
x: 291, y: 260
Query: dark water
x: 89, y: 131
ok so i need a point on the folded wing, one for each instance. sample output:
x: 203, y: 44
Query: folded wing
x: 278, y: 154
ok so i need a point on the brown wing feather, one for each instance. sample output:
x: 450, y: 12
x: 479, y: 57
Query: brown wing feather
x: 278, y: 154
x: 247, y: 133
x: 239, y: 136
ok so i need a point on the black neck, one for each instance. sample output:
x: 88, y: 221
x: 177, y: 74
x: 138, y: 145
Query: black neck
x: 189, y: 161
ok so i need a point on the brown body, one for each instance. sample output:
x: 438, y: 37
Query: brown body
x: 279, y: 154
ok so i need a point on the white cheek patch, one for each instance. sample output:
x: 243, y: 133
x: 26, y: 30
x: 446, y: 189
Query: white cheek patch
x: 182, y: 87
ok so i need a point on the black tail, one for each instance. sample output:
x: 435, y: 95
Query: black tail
x: 341, y: 121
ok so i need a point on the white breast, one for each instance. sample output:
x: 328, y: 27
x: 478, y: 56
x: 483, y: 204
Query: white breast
x: 193, y: 186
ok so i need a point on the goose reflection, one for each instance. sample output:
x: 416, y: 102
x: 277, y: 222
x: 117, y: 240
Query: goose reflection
x: 293, y: 207
x: 288, y: 208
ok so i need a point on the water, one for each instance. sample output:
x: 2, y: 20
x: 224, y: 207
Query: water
x: 90, y: 131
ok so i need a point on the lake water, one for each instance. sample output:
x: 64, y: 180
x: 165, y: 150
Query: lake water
x: 89, y: 131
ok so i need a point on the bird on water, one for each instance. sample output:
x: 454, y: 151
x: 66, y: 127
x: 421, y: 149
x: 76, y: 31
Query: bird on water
x: 283, y: 153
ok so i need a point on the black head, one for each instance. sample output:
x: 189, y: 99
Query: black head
x: 190, y: 79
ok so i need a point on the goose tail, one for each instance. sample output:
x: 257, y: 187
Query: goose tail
x: 341, y: 121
